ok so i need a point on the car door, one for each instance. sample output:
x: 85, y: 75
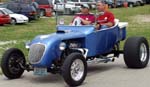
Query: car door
x: 4, y: 18
x: 1, y: 17
x: 101, y: 41
x: 96, y: 42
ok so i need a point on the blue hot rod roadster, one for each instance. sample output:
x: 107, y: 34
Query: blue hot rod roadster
x: 71, y: 48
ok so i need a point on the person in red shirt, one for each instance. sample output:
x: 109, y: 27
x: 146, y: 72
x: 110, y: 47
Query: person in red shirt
x: 84, y: 17
x: 105, y: 18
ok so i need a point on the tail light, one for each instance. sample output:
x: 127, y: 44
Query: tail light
x: 33, y: 13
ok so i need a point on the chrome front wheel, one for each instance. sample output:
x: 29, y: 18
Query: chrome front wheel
x: 77, y: 70
x: 74, y: 69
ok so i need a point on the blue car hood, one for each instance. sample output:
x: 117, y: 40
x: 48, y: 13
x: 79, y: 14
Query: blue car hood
x: 58, y: 36
x: 66, y: 32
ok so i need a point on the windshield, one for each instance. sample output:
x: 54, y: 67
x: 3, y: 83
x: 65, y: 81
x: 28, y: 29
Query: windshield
x: 74, y: 16
x: 8, y: 11
x: 1, y: 13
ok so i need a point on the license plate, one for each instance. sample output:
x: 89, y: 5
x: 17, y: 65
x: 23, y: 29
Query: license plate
x: 40, y: 71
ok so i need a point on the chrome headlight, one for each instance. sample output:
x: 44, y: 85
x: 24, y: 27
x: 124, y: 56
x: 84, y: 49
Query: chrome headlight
x: 62, y: 46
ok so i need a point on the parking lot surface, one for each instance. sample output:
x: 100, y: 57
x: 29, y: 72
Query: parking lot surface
x: 113, y: 74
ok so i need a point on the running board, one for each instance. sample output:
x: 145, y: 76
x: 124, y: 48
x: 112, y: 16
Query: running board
x: 101, y: 60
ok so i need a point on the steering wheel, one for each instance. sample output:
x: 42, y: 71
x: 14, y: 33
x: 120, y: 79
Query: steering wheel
x: 77, y: 21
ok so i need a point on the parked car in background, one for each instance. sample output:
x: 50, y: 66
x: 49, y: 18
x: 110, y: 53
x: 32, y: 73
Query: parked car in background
x: 133, y: 3
x: 45, y: 7
x: 119, y: 3
x: 146, y: 1
x: 25, y: 9
x: 2, y: 5
x: 110, y: 3
x: 65, y: 7
x: 4, y: 18
x: 22, y: 8
x: 15, y: 18
x: 91, y: 3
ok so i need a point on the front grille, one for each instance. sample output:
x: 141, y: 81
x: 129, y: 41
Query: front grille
x: 36, y: 53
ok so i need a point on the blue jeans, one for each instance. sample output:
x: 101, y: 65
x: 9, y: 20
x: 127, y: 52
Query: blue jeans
x: 103, y: 26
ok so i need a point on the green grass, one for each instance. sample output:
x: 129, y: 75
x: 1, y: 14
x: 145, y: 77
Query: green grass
x: 24, y: 32
x: 135, y: 27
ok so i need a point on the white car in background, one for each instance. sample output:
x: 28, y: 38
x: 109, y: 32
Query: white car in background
x: 15, y: 18
x: 68, y: 8
x: 91, y: 3
x: 133, y: 3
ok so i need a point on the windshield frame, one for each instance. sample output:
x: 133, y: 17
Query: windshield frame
x: 59, y: 19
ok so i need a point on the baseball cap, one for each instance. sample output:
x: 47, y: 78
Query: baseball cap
x: 85, y: 6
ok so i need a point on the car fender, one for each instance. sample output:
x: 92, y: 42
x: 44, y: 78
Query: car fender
x: 51, y: 43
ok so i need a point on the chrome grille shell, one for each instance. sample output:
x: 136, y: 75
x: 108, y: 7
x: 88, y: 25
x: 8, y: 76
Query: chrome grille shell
x: 36, y: 53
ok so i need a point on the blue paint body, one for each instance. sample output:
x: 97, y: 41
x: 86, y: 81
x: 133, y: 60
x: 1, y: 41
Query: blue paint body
x: 97, y: 42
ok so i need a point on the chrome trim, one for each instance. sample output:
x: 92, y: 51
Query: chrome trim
x: 77, y: 70
x: 82, y: 50
x: 143, y: 52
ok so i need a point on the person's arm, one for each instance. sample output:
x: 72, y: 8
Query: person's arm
x: 98, y: 25
x: 91, y: 20
x: 111, y: 19
x: 109, y: 24
x: 85, y: 22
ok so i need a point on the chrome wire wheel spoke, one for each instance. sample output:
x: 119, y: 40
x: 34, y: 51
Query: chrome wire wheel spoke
x: 77, y: 70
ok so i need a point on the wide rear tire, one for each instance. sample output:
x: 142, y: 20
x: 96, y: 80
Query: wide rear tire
x: 12, y: 63
x: 136, y: 52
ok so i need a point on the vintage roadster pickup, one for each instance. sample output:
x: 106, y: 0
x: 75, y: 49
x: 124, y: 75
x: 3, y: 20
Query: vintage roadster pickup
x: 71, y: 48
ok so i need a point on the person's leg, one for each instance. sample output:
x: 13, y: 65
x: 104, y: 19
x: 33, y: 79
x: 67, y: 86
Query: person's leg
x: 104, y: 26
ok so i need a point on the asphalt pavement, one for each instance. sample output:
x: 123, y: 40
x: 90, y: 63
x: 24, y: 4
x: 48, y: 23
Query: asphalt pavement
x: 113, y: 74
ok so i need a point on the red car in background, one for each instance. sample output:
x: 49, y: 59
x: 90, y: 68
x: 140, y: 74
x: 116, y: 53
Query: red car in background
x: 45, y: 7
x: 4, y: 19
